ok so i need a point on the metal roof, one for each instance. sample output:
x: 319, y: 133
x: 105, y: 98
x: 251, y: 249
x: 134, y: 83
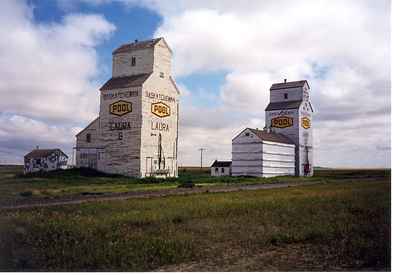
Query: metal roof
x: 271, y: 136
x: 221, y: 164
x: 125, y: 81
x: 287, y: 85
x: 42, y: 153
x: 285, y: 105
x: 137, y: 45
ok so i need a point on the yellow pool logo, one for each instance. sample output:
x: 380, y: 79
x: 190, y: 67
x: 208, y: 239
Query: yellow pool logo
x: 282, y: 122
x: 306, y: 122
x: 160, y: 109
x: 120, y: 108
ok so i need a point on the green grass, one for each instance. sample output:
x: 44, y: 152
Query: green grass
x: 15, y: 185
x: 342, y: 225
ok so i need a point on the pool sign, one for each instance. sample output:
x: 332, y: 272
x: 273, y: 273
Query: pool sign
x: 305, y: 122
x: 282, y: 122
x: 120, y: 108
x: 160, y: 109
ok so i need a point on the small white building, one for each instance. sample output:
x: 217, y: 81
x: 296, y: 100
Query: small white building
x: 262, y: 153
x: 221, y: 168
x: 45, y: 160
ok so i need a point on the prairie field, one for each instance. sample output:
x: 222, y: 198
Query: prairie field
x: 339, y: 223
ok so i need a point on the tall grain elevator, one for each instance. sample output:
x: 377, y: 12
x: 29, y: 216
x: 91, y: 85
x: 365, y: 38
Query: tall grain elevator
x: 136, y: 132
x: 285, y: 145
x: 289, y: 112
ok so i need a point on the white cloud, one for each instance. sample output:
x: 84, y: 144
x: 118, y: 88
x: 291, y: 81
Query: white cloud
x: 341, y: 47
x: 48, y: 73
x: 48, y: 69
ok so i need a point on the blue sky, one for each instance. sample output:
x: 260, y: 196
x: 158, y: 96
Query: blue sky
x: 226, y: 56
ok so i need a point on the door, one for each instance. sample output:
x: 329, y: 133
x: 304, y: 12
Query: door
x: 92, y: 161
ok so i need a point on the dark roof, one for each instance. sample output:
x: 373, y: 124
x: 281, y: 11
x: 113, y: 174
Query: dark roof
x: 221, y: 164
x: 286, y: 85
x: 42, y: 153
x: 125, y: 81
x: 286, y: 105
x: 271, y: 136
x: 137, y: 45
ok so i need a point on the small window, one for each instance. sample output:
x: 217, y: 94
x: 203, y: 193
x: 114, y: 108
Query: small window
x: 161, y: 74
x: 120, y: 135
x: 216, y: 169
x: 285, y: 95
x: 247, y: 134
x: 88, y: 138
x: 222, y: 170
x: 38, y: 161
x: 133, y: 61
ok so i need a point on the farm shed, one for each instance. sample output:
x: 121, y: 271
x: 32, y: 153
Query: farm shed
x: 136, y: 132
x: 44, y: 160
x: 221, y: 168
x: 262, y: 154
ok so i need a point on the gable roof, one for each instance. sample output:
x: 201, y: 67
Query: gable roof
x: 137, y: 45
x: 90, y: 124
x: 221, y: 163
x: 271, y: 136
x: 42, y: 153
x: 285, y: 105
x: 125, y: 81
x: 287, y: 85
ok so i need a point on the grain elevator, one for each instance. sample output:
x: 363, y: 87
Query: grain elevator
x: 285, y: 145
x: 136, y: 132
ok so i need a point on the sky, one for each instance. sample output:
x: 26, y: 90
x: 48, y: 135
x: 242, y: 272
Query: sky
x: 55, y: 54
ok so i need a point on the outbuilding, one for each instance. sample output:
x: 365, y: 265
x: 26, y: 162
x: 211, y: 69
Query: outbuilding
x: 221, y: 168
x: 45, y: 160
x: 262, y: 153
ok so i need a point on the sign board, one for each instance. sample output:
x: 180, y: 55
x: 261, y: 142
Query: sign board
x: 160, y: 109
x: 282, y: 122
x: 305, y: 122
x: 120, y: 108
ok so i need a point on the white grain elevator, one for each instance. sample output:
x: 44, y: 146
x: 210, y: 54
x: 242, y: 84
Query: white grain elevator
x: 289, y: 112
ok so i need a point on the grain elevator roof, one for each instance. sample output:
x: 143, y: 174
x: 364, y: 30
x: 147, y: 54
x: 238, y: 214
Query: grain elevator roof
x: 125, y: 82
x: 286, y: 105
x: 287, y: 85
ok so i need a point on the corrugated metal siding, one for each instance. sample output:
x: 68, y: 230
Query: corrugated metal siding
x: 254, y: 157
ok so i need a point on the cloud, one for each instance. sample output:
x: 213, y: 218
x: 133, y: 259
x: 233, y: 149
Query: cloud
x: 48, y: 75
x: 340, y: 47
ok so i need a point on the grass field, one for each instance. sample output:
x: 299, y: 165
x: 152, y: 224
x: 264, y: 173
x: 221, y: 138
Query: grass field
x: 340, y: 224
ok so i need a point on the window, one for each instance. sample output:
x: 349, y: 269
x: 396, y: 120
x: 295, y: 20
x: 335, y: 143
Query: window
x: 285, y: 95
x: 133, y: 61
x: 88, y: 138
x: 222, y: 170
x: 161, y: 74
x: 216, y: 169
x: 38, y: 161
x: 247, y: 134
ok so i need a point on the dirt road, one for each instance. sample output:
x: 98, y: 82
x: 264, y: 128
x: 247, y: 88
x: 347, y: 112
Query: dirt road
x: 77, y: 199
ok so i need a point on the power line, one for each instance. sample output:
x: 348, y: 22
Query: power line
x: 201, y: 156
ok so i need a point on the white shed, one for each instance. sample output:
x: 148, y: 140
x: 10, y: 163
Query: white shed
x: 262, y: 153
x: 221, y: 168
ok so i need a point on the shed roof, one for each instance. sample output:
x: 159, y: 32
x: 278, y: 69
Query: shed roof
x: 42, y: 153
x: 287, y: 85
x: 218, y: 163
x: 90, y: 124
x: 125, y: 81
x: 271, y: 136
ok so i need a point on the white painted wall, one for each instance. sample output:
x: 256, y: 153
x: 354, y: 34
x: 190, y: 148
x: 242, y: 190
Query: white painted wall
x: 220, y: 171
x: 252, y: 156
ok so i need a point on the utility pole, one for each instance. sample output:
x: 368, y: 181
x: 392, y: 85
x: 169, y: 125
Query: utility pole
x: 201, y: 156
